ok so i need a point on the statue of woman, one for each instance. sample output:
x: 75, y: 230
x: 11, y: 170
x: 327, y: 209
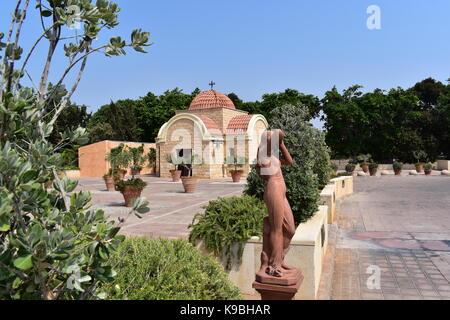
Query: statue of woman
x: 279, y: 226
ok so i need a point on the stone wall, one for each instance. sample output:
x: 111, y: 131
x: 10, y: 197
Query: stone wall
x: 92, y: 158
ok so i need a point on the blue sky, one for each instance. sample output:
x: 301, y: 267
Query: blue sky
x: 252, y: 47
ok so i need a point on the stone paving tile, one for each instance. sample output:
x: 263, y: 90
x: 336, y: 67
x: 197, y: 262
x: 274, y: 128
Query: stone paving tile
x: 383, y: 224
x: 171, y: 210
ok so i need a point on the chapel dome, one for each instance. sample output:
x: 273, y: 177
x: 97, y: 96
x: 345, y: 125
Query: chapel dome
x: 211, y: 99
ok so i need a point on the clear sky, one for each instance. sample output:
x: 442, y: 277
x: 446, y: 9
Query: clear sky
x: 252, y: 47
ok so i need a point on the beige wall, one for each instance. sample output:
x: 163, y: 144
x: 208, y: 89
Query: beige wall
x: 92, y: 158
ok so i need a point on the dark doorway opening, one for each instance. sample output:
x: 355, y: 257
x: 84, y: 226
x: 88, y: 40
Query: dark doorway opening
x: 186, y: 155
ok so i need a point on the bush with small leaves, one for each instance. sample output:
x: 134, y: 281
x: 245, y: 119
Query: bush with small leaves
x: 373, y: 167
x: 226, y: 222
x: 160, y: 269
x: 350, y: 168
x: 398, y: 166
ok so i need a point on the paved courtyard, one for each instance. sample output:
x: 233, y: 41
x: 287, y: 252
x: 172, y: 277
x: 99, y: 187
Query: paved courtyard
x: 400, y: 225
x: 171, y: 210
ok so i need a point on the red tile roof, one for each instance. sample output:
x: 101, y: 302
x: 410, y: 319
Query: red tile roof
x: 212, y: 127
x: 211, y: 99
x: 239, y: 124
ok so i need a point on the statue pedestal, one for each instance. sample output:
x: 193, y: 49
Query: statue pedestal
x: 276, y: 291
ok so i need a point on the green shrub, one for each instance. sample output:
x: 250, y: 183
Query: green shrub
x: 342, y: 174
x: 334, y: 167
x: 160, y: 269
x: 310, y: 171
x: 133, y: 183
x: 255, y: 185
x: 373, y: 167
x: 398, y: 166
x: 428, y: 167
x: 228, y: 221
x: 350, y: 168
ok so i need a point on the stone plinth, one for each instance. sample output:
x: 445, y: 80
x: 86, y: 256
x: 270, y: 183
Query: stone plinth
x: 277, y: 292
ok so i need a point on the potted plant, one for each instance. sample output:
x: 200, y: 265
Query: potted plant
x: 350, y: 168
x: 176, y: 173
x: 428, y: 167
x: 137, y: 160
x: 110, y: 180
x: 363, y: 160
x: 236, y: 162
x: 189, y: 182
x: 152, y: 159
x: 119, y: 159
x: 398, y: 167
x: 131, y: 189
x: 420, y: 156
x: 373, y: 168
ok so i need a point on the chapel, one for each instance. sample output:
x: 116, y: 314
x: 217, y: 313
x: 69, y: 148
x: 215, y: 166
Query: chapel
x: 211, y: 131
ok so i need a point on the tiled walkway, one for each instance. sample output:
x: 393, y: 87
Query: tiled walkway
x: 399, y: 227
x: 172, y: 210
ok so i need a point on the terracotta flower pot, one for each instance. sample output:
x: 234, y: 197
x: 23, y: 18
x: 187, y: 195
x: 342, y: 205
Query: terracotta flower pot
x: 110, y: 184
x: 365, y: 167
x: 176, y: 175
x: 129, y: 194
x: 373, y: 173
x: 428, y: 172
x: 419, y: 167
x: 189, y: 184
x: 236, y: 175
x: 398, y: 172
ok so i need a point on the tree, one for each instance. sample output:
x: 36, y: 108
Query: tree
x: 236, y: 100
x: 153, y: 111
x: 389, y: 125
x: 345, y: 121
x: 311, y: 168
x: 101, y: 132
x: 122, y: 117
x: 429, y: 91
x: 52, y: 244
x: 293, y: 97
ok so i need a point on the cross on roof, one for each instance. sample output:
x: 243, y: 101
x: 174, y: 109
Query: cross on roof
x: 212, y: 84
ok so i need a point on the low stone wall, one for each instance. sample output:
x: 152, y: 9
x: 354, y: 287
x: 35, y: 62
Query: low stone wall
x: 308, y: 248
x: 343, y: 186
x: 73, y: 174
x: 443, y: 165
x: 328, y: 198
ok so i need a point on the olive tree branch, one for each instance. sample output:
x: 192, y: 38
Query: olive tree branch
x: 16, y: 43
x: 5, y: 57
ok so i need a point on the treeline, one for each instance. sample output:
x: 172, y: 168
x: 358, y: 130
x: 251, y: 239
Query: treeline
x: 141, y: 119
x: 389, y: 125
x: 396, y: 124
